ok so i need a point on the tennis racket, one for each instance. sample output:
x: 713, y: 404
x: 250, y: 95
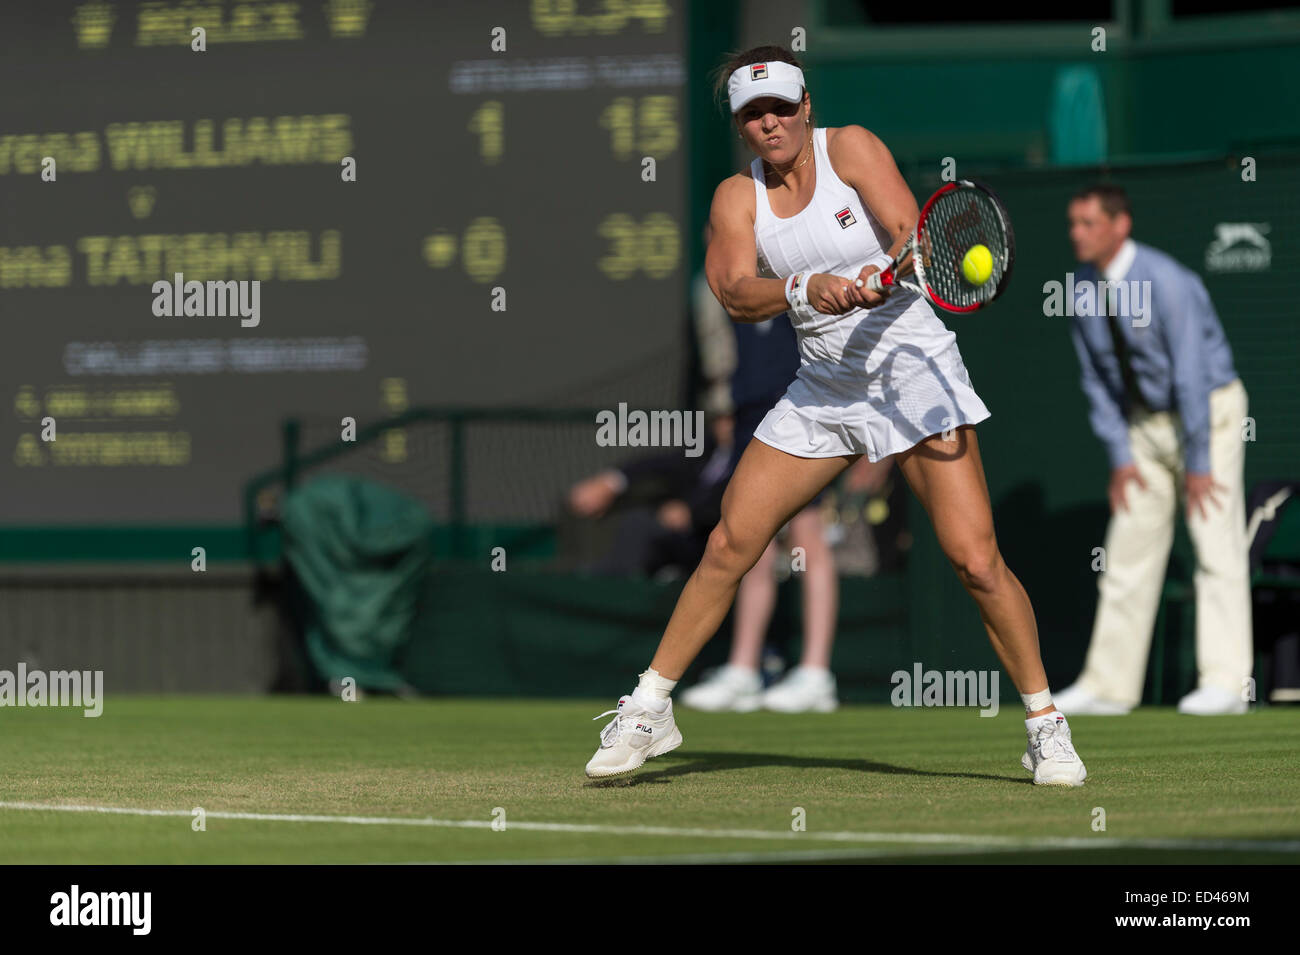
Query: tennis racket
x: 959, y: 216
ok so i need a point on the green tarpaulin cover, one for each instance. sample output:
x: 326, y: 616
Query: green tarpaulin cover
x: 361, y: 552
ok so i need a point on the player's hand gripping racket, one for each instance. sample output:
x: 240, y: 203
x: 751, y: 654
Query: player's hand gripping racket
x: 960, y: 253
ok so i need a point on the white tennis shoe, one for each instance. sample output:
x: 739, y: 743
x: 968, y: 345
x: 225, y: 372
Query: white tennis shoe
x: 634, y: 735
x: 1212, y: 701
x: 803, y: 690
x: 731, y: 689
x: 1075, y: 699
x: 1050, y: 755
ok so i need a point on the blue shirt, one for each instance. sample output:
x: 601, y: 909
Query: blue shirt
x: 1176, y: 346
x: 767, y: 360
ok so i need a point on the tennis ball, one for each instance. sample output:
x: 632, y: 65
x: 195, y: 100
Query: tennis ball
x: 977, y: 265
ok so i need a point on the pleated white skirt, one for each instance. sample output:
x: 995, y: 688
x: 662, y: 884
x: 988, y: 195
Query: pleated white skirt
x: 832, y: 409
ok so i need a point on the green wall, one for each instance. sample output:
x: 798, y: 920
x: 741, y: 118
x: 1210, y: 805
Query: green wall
x: 983, y: 92
x: 543, y: 634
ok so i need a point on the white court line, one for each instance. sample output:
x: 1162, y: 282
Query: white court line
x: 1006, y: 843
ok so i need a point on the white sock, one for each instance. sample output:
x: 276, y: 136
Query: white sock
x: 652, y: 692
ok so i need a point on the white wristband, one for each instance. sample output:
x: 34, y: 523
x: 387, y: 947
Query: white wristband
x: 796, y: 289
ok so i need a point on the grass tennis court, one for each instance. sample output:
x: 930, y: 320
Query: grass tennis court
x: 420, y: 781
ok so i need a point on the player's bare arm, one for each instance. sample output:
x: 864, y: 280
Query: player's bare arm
x: 731, y: 262
x: 731, y: 265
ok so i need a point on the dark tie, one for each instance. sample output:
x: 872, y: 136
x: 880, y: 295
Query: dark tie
x: 1132, y: 394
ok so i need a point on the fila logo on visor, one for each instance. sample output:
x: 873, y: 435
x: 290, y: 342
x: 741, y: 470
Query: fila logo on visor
x: 758, y: 71
x: 845, y: 217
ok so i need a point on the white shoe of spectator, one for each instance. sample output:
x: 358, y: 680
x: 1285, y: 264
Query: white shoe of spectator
x: 731, y: 689
x: 803, y: 690
x: 1212, y: 701
x: 1074, y: 700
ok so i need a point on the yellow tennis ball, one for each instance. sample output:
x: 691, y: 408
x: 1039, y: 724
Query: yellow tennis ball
x: 977, y: 265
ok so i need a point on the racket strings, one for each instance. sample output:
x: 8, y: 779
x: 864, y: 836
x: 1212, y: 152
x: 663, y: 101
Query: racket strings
x: 958, y: 220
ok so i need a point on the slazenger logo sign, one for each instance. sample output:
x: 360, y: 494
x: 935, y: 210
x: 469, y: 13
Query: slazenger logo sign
x: 1239, y: 247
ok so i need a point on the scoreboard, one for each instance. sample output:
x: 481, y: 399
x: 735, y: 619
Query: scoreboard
x: 420, y: 203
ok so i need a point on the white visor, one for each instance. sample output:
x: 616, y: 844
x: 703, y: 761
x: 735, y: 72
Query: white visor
x: 765, y: 79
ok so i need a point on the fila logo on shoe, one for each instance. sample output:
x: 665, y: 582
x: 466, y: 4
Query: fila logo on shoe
x: 643, y: 728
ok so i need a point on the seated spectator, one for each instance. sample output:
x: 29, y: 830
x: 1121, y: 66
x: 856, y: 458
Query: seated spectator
x: 663, y: 508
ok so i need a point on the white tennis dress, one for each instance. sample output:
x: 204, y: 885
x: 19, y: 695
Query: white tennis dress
x: 871, y: 381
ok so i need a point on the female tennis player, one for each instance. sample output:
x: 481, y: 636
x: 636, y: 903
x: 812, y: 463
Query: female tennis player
x: 880, y: 374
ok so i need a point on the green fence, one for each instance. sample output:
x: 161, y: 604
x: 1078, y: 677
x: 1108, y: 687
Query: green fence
x: 489, y: 476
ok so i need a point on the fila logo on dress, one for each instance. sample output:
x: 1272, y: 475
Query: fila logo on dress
x: 845, y: 217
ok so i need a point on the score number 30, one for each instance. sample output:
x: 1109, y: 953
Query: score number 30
x: 652, y: 245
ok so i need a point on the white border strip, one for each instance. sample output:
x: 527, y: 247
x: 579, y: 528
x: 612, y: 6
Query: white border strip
x: 1004, y: 843
x: 706, y: 858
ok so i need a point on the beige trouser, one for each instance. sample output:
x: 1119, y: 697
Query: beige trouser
x: 1137, y: 552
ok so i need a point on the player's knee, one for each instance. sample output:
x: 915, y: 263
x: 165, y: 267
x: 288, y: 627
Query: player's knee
x: 979, y: 565
x: 728, y: 554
